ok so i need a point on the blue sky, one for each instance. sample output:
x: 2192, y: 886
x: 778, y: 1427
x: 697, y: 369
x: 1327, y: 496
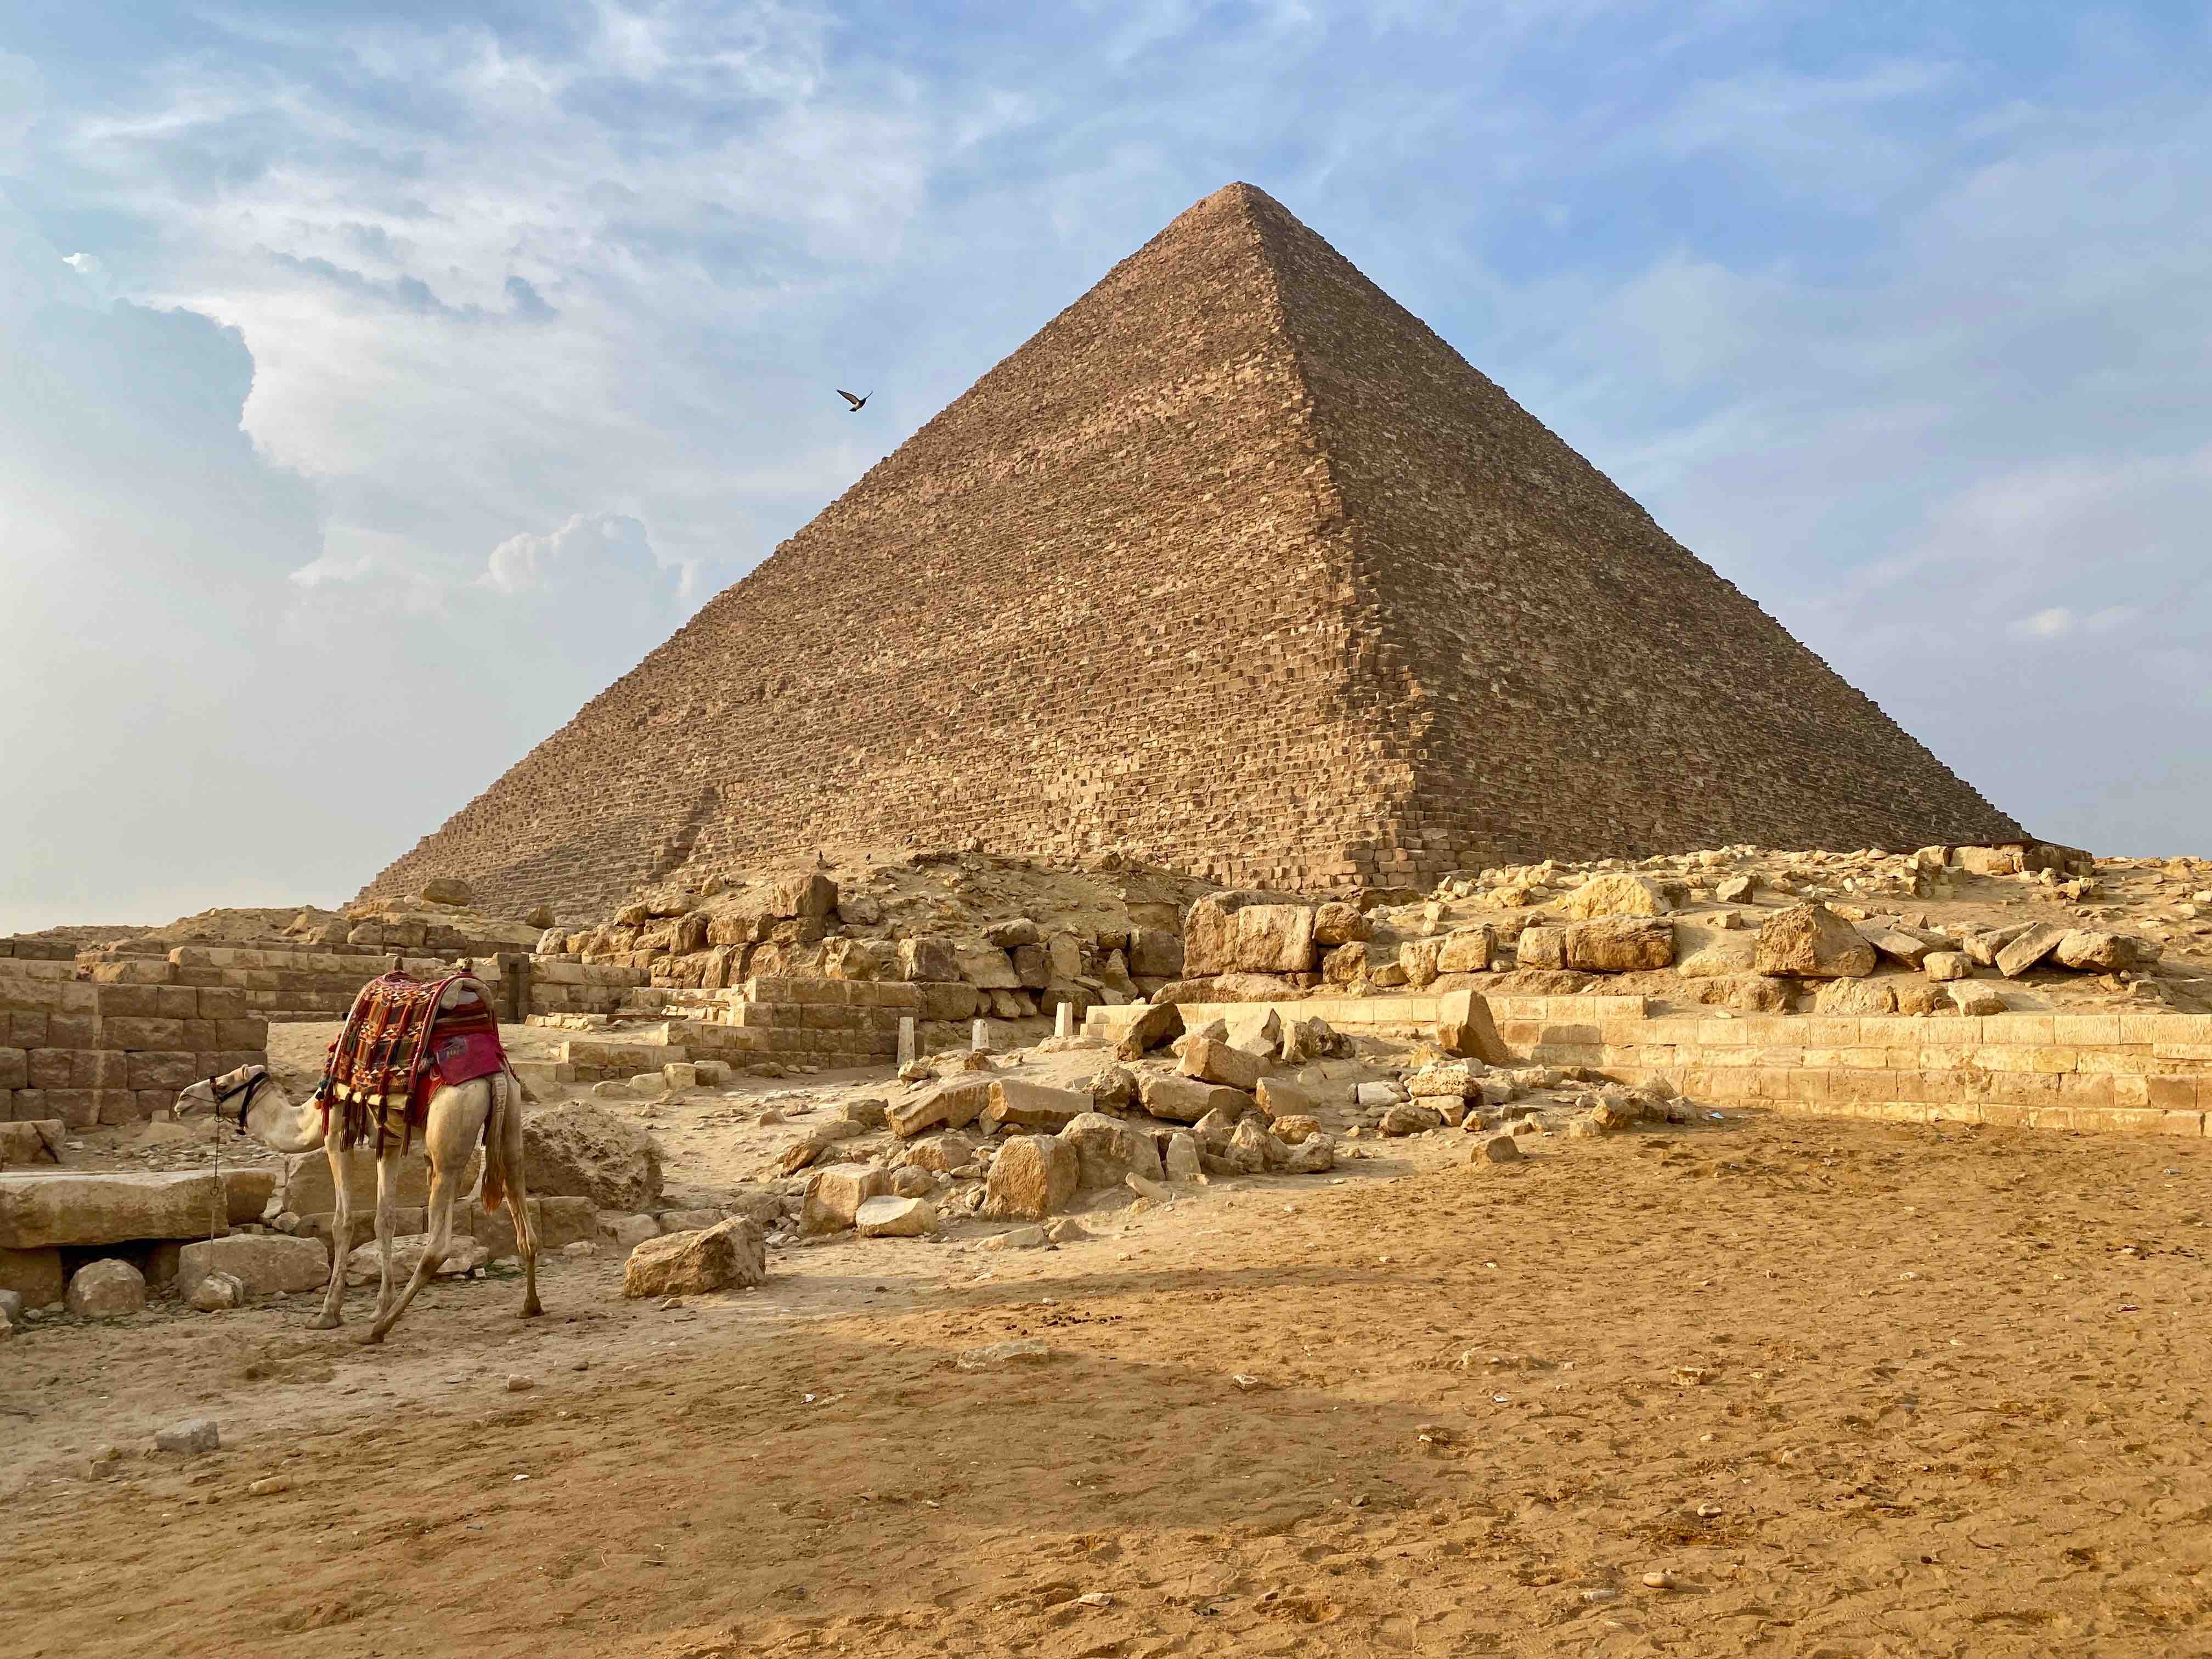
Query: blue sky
x: 378, y: 382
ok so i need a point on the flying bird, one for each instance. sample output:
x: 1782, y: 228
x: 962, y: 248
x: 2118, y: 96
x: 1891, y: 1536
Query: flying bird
x: 857, y: 403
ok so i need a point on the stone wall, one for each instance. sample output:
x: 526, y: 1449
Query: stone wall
x: 1237, y: 568
x: 2142, y: 1073
x: 115, y: 1052
x: 825, y: 1023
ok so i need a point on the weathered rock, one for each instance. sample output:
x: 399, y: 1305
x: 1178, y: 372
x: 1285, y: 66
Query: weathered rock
x: 559, y: 1221
x: 1909, y: 949
x: 1295, y: 1129
x: 194, y: 1434
x: 983, y: 965
x: 39, y: 1141
x: 35, y: 1275
x: 1112, y: 1088
x: 687, y: 1221
x: 1464, y: 1027
x: 1011, y: 935
x: 941, y: 1154
x: 217, y: 1293
x: 804, y: 894
x: 1155, y: 1026
x: 813, y: 1142
x: 1250, y: 933
x: 464, y: 1255
x: 1378, y: 1093
x: 2092, y: 953
x: 1155, y: 953
x: 1468, y: 950
x: 1346, y: 964
x: 1459, y: 1079
x: 106, y: 1289
x: 447, y: 890
x: 626, y: 1232
x: 1811, y: 941
x: 1108, y: 1150
x: 40, y: 1208
x: 1541, y: 946
x: 1737, y: 890
x: 1032, y: 1106
x: 1186, y: 1100
x: 1729, y: 954
x: 1843, y: 998
x: 1340, y: 924
x: 2029, y: 949
x: 265, y: 1264
x: 1416, y: 958
x: 1944, y: 965
x: 1407, y: 1118
x: 953, y: 1104
x: 893, y: 1217
x: 1023, y: 1351
x: 1620, y: 944
x: 582, y: 1150
x: 1033, y: 1177
x: 1975, y: 998
x: 1018, y: 1238
x: 1223, y: 1063
x: 1181, y: 1160
x: 1496, y: 1149
x: 1254, y: 1150
x: 1918, y: 996
x: 1308, y: 1040
x: 835, y: 1193
x: 729, y: 1255
x: 909, y: 1182
x: 1617, y: 895
x: 1212, y: 1130
x: 1280, y: 1097
x: 924, y: 958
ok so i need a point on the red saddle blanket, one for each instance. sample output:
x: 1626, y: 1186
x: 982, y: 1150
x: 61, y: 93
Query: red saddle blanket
x: 399, y: 1046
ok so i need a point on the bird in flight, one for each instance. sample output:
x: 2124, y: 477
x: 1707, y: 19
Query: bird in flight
x: 857, y: 403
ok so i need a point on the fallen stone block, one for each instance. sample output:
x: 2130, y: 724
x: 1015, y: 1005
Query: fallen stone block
x: 1617, y: 895
x: 1222, y: 1063
x: 2029, y: 949
x: 1185, y: 1099
x: 834, y: 1197
x: 2092, y: 952
x: 194, y: 1434
x: 265, y: 1264
x: 1458, y: 1079
x: 891, y: 1217
x: 37, y: 1208
x: 1032, y: 1106
x: 464, y: 1256
x: 951, y: 1105
x: 1155, y: 1026
x: 730, y: 1254
x: 584, y: 1151
x: 107, y: 1289
x: 1464, y: 1027
x: 1107, y: 1150
x: 1032, y: 1177
x: 1811, y: 941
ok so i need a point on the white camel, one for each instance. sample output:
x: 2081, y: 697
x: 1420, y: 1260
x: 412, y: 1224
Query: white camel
x: 489, y: 1109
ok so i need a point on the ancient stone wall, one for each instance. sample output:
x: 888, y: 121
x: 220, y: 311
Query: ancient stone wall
x: 1237, y: 568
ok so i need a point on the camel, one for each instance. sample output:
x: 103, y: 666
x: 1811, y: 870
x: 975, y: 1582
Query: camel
x: 489, y: 1109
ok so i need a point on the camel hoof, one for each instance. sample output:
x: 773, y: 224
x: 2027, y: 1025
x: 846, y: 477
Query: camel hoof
x: 329, y: 1321
x: 532, y: 1309
x: 370, y: 1338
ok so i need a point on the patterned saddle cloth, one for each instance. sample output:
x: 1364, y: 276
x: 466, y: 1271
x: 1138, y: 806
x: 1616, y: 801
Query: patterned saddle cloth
x: 401, y: 1045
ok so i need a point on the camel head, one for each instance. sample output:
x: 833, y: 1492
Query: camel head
x: 253, y: 1102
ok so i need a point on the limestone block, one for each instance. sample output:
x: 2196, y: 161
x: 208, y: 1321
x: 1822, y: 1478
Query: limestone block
x: 987, y: 968
x: 1811, y: 941
x: 106, y: 1289
x: 1032, y: 1177
x: 1155, y: 953
x: 1186, y: 1100
x: 894, y: 1216
x: 265, y: 1264
x: 1032, y: 1105
x: 1542, y: 947
x: 585, y: 1151
x: 1108, y: 1150
x: 1621, y: 944
x: 951, y: 1105
x: 2092, y: 952
x: 1464, y: 1027
x: 1211, y: 1062
x: 728, y: 1256
x: 1279, y: 1097
x: 1418, y: 958
x: 35, y: 1275
x: 37, y: 1208
x: 926, y: 958
x: 835, y: 1195
x: 1032, y: 966
x: 1337, y: 923
x: 1728, y: 955
x: 809, y: 894
x: 2029, y: 949
x: 1617, y: 895
x: 1154, y: 1027
x: 1468, y: 950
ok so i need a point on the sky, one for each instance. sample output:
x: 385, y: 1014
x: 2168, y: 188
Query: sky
x: 380, y: 382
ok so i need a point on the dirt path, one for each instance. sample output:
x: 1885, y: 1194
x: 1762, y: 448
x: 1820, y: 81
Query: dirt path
x: 1861, y: 1389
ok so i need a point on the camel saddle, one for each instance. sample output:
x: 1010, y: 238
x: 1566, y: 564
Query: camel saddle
x: 401, y: 1044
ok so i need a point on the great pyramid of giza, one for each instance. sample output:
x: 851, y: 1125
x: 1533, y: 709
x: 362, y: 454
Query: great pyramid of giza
x: 1236, y: 567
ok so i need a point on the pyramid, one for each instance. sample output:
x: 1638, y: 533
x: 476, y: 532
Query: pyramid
x: 1234, y: 567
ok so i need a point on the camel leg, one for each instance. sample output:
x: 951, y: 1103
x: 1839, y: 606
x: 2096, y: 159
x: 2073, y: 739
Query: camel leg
x: 509, y: 1129
x: 457, y: 1124
x: 340, y: 1237
x: 388, y: 1222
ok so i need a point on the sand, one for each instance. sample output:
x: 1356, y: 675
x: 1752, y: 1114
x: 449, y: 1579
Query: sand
x: 1859, y: 1390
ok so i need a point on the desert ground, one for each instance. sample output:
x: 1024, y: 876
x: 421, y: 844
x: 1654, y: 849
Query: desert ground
x: 1751, y: 1385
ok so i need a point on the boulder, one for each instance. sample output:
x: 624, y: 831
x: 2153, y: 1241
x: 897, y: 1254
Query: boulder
x: 35, y: 1275
x: 1155, y: 953
x: 815, y: 1140
x: 1464, y: 1027
x: 39, y: 1141
x: 729, y: 1255
x: 1899, y: 946
x: 1294, y: 1129
x: 1185, y: 1099
x: 1541, y: 946
x: 1845, y: 997
x: 1944, y: 965
x: 1315, y: 1154
x: 540, y: 917
x: 1033, y: 1177
x: 1181, y: 1160
x: 951, y: 1105
x: 582, y: 1150
x: 1811, y: 941
x: 892, y: 1217
x: 1308, y: 1040
x: 1279, y: 1097
x: 1254, y: 1150
x: 1496, y: 1149
x: 194, y: 1434
x: 807, y: 895
x: 217, y: 1293
x: 1010, y: 935
x: 1223, y: 1063
x: 1346, y: 964
x: 1248, y: 931
x: 2091, y: 952
x: 924, y: 958
x: 835, y: 1193
x: 464, y: 1255
x: 986, y: 966
x: 1407, y: 1118
x: 447, y: 890
x: 1112, y: 1088
x: 1108, y: 1150
x: 1975, y: 998
x: 1468, y: 950
x: 1338, y: 924
x: 1620, y: 944
x: 1729, y: 954
x: 1155, y: 1026
x: 1616, y: 896
x: 1456, y: 1080
x: 558, y: 1222
x: 1738, y: 889
x: 1032, y: 1106
x: 107, y: 1289
x: 2029, y: 949
x: 1417, y: 960
x: 1982, y: 947
x: 941, y: 1154
x: 263, y: 1264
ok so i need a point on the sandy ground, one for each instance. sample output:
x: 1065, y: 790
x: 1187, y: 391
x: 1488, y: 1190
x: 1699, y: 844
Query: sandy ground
x: 1860, y: 1390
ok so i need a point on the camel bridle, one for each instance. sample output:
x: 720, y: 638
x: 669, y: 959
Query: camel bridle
x: 241, y: 1092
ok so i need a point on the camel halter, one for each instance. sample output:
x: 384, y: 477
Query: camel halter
x: 241, y: 1092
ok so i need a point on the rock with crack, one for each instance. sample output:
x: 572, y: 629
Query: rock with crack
x: 728, y: 1256
x: 1032, y: 1177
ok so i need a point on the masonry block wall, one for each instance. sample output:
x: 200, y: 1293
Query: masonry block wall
x: 1236, y: 567
x: 112, y: 1053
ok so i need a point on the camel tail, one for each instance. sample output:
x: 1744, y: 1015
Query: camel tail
x: 494, y: 1176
